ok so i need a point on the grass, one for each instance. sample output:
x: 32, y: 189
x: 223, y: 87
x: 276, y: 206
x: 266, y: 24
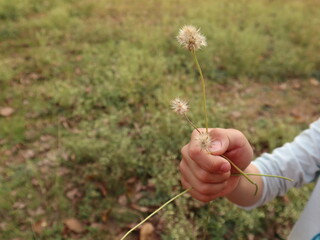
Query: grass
x: 91, y: 83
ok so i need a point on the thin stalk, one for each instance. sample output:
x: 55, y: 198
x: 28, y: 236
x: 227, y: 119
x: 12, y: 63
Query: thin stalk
x: 155, y: 212
x: 264, y: 175
x: 243, y: 174
x: 203, y: 88
x: 191, y: 123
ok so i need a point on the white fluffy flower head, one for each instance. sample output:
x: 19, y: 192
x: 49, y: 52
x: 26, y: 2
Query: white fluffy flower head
x: 190, y: 38
x: 179, y: 106
x: 205, y: 141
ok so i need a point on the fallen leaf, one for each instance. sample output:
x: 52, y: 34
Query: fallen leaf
x: 283, y: 86
x: 3, y: 226
x: 6, y: 111
x: 102, y: 188
x: 19, y: 205
x: 61, y: 171
x: 139, y: 208
x: 74, y: 225
x: 137, y: 197
x: 39, y: 226
x: 236, y: 114
x: 133, y: 186
x: 34, y: 76
x: 99, y: 226
x: 151, y: 185
x: 298, y: 115
x: 105, y: 215
x: 314, y: 82
x: 73, y: 194
x: 250, y: 236
x: 131, y: 180
x: 37, y: 212
x: 27, y: 154
x: 146, y: 231
x: 122, y: 200
x: 296, y: 85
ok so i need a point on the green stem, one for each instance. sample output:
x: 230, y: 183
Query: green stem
x: 203, y: 88
x: 155, y: 212
x: 245, y: 175
x: 191, y: 123
x: 263, y: 175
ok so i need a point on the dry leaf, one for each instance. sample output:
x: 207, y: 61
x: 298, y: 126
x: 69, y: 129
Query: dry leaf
x: 102, y: 188
x: 27, y: 154
x: 99, y: 226
x: 6, y: 111
x: 122, y: 200
x: 296, y: 85
x: 19, y: 205
x: 3, y: 226
x: 73, y: 194
x: 3, y: 141
x: 250, y: 236
x: 314, y: 82
x: 283, y: 86
x: 146, y: 231
x: 236, y: 114
x: 37, y: 212
x: 298, y: 115
x: 39, y: 226
x: 151, y: 186
x: 139, y: 208
x: 74, y: 225
x: 105, y: 215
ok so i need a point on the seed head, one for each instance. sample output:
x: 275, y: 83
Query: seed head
x: 204, y: 140
x: 190, y: 38
x: 179, y: 106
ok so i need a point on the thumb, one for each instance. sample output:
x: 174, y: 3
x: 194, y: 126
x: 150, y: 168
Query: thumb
x: 231, y: 143
x: 220, y: 140
x: 227, y: 140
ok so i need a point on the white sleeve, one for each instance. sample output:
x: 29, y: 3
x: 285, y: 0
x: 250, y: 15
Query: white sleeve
x: 299, y: 160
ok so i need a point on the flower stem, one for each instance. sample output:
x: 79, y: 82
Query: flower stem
x: 155, y: 212
x: 203, y: 88
x: 191, y: 123
x: 245, y: 175
x: 264, y: 175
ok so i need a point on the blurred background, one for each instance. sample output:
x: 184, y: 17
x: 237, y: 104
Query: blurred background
x: 88, y: 143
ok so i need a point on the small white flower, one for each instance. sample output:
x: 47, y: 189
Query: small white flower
x: 190, y: 38
x: 179, y: 106
x: 204, y: 140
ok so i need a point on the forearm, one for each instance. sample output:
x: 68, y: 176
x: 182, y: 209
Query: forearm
x: 243, y: 194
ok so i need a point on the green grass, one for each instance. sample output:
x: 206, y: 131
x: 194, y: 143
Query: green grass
x: 91, y: 83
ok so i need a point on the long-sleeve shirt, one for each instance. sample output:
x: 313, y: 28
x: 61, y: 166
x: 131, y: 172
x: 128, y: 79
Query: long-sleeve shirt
x: 299, y: 160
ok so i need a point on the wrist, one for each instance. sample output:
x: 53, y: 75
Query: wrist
x: 243, y: 192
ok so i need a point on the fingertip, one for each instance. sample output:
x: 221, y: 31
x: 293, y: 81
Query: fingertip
x: 225, y: 167
x: 219, y: 141
x: 216, y: 147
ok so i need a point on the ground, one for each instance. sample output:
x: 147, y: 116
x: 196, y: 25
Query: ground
x: 88, y: 143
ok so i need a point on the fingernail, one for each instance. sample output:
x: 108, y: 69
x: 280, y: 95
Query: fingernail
x: 225, y: 167
x: 215, y: 146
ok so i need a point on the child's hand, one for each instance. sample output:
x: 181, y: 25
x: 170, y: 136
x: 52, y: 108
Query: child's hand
x: 209, y: 175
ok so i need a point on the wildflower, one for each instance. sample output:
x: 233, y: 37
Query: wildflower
x: 190, y: 38
x: 179, y: 106
x: 204, y: 140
